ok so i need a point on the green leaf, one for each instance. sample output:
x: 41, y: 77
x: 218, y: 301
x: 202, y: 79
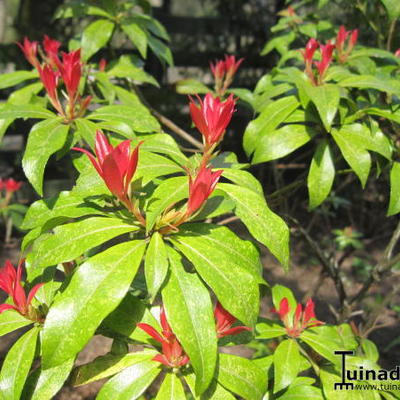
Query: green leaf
x: 243, y: 178
x: 167, y: 193
x: 323, y: 344
x: 235, y: 286
x: 392, y: 8
x: 153, y: 165
x: 131, y: 382
x: 301, y: 392
x: 13, y: 111
x: 326, y: 100
x: 215, y: 391
x: 108, y: 365
x: 161, y: 50
x: 279, y: 292
x: 100, y: 284
x: 269, y: 329
x: 87, y: 130
x: 72, y: 240
x: 191, y: 86
x: 14, y: 78
x: 53, y: 134
x: 11, y: 320
x: 266, y: 226
x: 17, y: 364
x: 286, y: 364
x: 391, y: 86
x: 394, y: 203
x: 140, y: 120
x: 50, y: 381
x: 65, y: 204
x: 353, y: 149
x: 171, y: 389
x: 136, y: 35
x: 281, y: 142
x: 95, y: 36
x: 189, y: 312
x: 156, y: 265
x: 321, y: 174
x: 164, y: 144
x: 126, y: 67
x: 271, y: 116
x: 242, y: 377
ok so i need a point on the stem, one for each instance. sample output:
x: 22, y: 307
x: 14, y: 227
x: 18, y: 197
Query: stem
x: 390, y: 35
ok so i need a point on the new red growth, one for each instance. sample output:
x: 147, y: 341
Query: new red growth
x: 224, y: 321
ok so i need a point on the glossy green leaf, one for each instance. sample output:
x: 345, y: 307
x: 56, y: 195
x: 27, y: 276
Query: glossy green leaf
x: 191, y: 86
x: 167, y: 193
x: 301, y: 392
x: 271, y: 116
x: 72, y: 240
x: 126, y: 316
x: 354, y: 151
x: 4, y: 124
x: 269, y: 329
x: 394, y: 204
x: 95, y: 36
x: 153, y: 165
x: 139, y: 119
x: 17, y: 364
x: 51, y: 380
x: 286, y: 364
x: 136, y: 35
x: 164, y: 144
x: 100, y: 284
x: 156, y: 264
x: 235, y: 286
x: 266, y: 226
x: 391, y: 86
x: 243, y: 178
x: 65, y: 204
x: 215, y: 391
x: 393, y: 8
x: 108, y: 365
x: 189, y: 311
x: 322, y: 344
x: 11, y: 320
x: 242, y: 377
x: 171, y: 389
x: 25, y: 111
x: 279, y: 292
x: 14, y: 78
x: 161, y: 50
x: 281, y: 142
x: 131, y: 382
x: 326, y: 100
x: 53, y: 134
x: 87, y: 130
x: 321, y: 174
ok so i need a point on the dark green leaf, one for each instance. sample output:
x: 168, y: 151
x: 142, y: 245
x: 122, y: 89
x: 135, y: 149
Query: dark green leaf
x: 100, y: 284
x: 242, y: 377
x: 95, y: 36
x: 286, y: 364
x: 53, y: 134
x: 156, y: 264
x: 266, y: 226
x: 321, y: 174
x: 394, y: 204
x: 190, y: 314
x: 131, y: 382
x: 161, y: 50
x: 17, y: 364
x: 279, y: 143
